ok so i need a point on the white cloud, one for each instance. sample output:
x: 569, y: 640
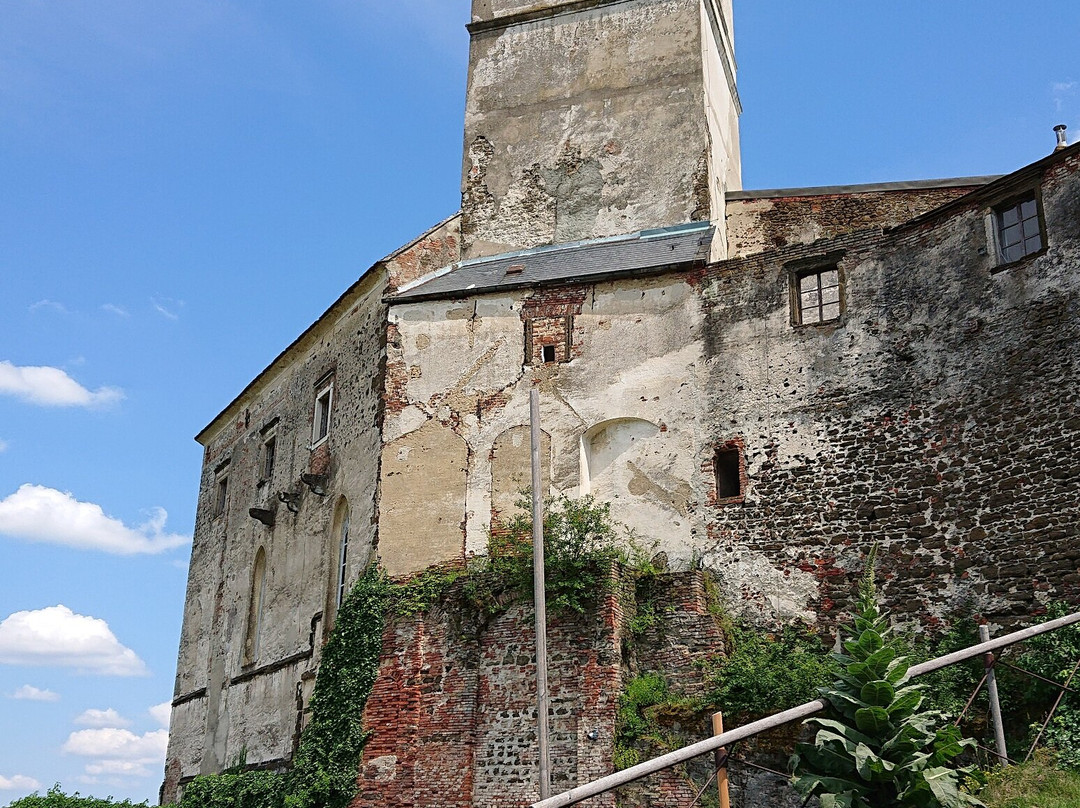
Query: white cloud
x: 112, y: 308
x: 39, y: 514
x: 59, y: 637
x: 18, y: 782
x: 51, y: 387
x: 3, y: 445
x: 31, y: 693
x: 167, y: 307
x: 101, y: 718
x: 119, y: 751
x: 51, y: 305
x: 162, y: 713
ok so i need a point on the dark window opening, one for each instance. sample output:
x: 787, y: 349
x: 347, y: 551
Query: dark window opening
x: 269, y: 454
x: 728, y: 473
x: 1019, y: 232
x: 548, y: 352
x: 221, y: 495
x: 818, y: 295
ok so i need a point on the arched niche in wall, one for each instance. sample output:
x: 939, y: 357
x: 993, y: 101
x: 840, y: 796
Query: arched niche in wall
x: 256, y: 596
x: 337, y: 560
x: 644, y: 473
x: 422, y: 506
x: 511, y: 469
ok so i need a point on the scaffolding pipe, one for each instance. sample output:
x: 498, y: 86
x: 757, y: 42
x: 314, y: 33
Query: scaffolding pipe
x: 539, y: 599
x: 611, y: 781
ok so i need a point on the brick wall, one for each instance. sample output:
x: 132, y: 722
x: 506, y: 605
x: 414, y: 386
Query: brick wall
x: 453, y: 713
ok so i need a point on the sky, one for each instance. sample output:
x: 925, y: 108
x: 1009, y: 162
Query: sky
x: 186, y: 185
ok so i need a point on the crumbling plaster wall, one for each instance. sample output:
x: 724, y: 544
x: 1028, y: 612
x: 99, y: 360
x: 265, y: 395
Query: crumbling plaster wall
x: 624, y: 85
x: 224, y: 703
x: 938, y: 417
x: 460, y: 364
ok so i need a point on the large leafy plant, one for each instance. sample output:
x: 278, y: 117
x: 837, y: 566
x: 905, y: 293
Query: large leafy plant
x: 876, y: 747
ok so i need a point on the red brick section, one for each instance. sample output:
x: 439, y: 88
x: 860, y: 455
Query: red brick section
x: 548, y: 315
x: 453, y: 715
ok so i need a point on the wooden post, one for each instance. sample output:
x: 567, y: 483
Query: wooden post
x: 995, y: 703
x: 721, y: 764
x: 539, y: 599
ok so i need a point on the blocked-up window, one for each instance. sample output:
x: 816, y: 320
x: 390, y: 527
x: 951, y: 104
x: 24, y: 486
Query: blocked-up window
x: 817, y: 297
x: 1018, y: 229
x: 269, y: 457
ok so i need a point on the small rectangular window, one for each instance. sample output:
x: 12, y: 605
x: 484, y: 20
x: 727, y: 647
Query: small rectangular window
x: 324, y: 400
x: 817, y: 295
x: 1018, y: 229
x: 548, y: 353
x: 221, y: 495
x: 728, y: 468
x: 269, y: 456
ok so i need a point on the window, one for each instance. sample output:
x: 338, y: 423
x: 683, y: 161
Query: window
x: 343, y: 558
x: 1018, y: 229
x: 221, y: 494
x: 269, y: 455
x: 548, y: 340
x: 728, y: 467
x: 816, y: 295
x: 324, y: 400
x: 548, y: 352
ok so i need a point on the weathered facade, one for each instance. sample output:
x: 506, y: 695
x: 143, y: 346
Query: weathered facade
x: 764, y: 383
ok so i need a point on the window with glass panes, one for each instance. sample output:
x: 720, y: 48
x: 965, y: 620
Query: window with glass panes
x: 818, y: 295
x: 1018, y: 230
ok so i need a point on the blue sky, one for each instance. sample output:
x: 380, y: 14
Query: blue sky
x: 187, y: 185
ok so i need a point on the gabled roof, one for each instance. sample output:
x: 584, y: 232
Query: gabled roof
x: 647, y: 252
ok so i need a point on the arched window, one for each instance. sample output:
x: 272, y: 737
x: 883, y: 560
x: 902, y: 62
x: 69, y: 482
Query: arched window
x: 339, y: 565
x: 343, y: 555
x: 255, y: 608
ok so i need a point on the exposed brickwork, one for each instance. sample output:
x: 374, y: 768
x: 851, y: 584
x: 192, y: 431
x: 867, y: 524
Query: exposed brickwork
x: 548, y: 315
x: 453, y: 713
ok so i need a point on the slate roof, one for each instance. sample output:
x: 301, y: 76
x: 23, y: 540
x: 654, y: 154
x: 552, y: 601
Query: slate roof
x: 647, y: 252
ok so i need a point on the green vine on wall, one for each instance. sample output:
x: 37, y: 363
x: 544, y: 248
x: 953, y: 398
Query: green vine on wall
x: 326, y: 766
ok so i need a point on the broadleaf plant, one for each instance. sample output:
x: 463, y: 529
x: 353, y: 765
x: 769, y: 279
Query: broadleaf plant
x: 876, y: 747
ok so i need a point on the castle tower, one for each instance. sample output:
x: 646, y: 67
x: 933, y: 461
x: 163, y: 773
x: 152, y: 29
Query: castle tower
x: 592, y: 118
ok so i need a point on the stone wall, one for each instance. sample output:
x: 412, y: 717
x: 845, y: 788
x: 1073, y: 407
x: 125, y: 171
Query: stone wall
x: 646, y: 121
x: 759, y: 221
x: 252, y: 632
x: 453, y: 712
x: 938, y: 416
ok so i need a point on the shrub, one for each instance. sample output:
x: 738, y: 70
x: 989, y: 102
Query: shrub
x: 55, y: 798
x: 877, y: 747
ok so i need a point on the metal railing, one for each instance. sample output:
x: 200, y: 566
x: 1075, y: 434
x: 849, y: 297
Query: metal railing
x: 730, y: 737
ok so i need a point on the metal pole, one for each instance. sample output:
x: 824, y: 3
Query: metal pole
x: 995, y: 703
x: 721, y: 763
x: 644, y: 769
x: 539, y: 598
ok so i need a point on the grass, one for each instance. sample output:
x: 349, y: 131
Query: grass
x: 1036, y: 784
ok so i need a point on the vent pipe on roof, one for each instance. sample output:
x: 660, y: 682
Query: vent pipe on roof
x: 1061, y: 142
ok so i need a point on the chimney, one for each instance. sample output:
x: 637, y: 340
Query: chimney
x: 1061, y: 142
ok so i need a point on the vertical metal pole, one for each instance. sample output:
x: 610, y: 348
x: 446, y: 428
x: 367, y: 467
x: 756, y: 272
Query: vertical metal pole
x: 539, y: 598
x: 995, y: 703
x: 721, y: 763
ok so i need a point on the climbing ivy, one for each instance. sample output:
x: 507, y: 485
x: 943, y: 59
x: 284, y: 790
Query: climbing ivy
x: 326, y: 766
